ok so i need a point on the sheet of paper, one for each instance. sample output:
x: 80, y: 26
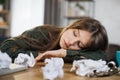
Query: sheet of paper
x: 12, y: 68
x: 5, y: 60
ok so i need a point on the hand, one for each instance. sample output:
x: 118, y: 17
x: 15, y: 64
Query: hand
x: 53, y: 53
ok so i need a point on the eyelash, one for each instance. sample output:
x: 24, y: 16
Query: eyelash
x: 76, y: 36
x: 74, y: 33
x: 78, y: 44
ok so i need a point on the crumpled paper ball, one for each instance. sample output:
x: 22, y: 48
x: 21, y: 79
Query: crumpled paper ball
x: 53, y: 68
x: 90, y: 68
x: 25, y: 59
x: 5, y: 60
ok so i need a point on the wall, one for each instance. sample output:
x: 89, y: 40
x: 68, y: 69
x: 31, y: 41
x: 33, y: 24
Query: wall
x: 108, y: 11
x: 26, y: 14
x: 29, y: 13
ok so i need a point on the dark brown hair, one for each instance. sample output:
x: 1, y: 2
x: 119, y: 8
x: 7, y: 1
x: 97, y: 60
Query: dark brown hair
x: 99, y: 35
x: 98, y: 31
x: 33, y: 39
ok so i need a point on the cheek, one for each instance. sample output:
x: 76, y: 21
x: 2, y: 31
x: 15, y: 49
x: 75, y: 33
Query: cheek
x: 74, y: 47
x: 64, y: 37
x: 60, y: 42
x: 87, y: 40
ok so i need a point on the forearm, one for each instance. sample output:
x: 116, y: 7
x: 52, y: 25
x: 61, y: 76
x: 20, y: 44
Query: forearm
x: 52, y: 53
x: 78, y: 54
x: 57, y: 53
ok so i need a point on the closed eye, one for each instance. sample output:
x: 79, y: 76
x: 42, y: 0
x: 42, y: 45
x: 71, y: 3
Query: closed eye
x: 74, y: 33
x: 78, y: 44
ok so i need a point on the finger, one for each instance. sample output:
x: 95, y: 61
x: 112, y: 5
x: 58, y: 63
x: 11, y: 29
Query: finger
x: 39, y: 57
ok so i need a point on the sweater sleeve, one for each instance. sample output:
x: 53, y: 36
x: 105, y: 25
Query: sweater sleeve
x: 13, y: 46
x: 9, y: 47
x: 80, y: 54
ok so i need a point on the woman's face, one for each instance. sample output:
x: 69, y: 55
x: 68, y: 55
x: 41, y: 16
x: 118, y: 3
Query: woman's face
x: 75, y: 39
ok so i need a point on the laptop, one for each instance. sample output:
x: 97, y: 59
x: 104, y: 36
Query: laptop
x: 12, y: 68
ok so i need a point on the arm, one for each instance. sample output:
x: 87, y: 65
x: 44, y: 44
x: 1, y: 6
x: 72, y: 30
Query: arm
x: 10, y: 47
x: 52, y: 53
x: 71, y: 55
x: 88, y: 54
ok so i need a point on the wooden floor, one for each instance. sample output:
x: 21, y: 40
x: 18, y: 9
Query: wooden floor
x: 36, y: 74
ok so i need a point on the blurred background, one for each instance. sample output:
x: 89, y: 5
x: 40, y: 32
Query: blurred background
x: 17, y: 16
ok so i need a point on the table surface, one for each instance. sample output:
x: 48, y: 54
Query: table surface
x: 35, y: 73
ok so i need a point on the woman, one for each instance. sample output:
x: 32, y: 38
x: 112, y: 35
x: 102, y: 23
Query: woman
x: 84, y: 38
